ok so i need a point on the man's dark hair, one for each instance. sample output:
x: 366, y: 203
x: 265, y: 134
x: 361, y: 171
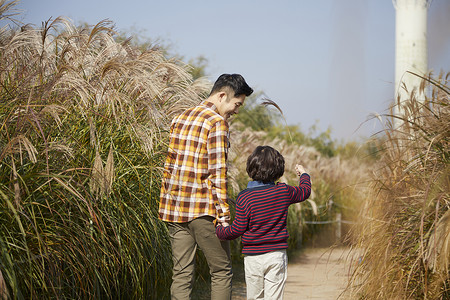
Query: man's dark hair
x: 235, y: 82
x: 265, y: 164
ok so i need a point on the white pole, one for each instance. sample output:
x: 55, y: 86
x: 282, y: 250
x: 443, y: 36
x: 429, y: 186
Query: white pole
x: 338, y: 227
x: 410, y: 50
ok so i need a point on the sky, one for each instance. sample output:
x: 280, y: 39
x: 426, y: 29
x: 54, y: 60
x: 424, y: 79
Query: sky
x: 328, y: 64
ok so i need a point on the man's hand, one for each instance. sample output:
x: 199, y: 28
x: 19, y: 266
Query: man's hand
x: 224, y: 221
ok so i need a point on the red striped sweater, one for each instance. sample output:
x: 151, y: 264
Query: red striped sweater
x: 261, y: 214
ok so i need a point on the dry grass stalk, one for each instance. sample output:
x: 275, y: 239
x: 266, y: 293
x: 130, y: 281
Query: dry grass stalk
x: 404, y: 230
x: 97, y: 176
x: 268, y: 102
x: 438, y: 249
x: 3, y: 288
x: 109, y: 171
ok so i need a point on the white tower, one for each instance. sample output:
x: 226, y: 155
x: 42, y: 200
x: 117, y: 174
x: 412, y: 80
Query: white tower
x: 410, y: 49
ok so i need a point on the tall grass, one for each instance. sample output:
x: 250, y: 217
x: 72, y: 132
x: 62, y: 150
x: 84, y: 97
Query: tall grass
x: 404, y: 233
x: 82, y: 124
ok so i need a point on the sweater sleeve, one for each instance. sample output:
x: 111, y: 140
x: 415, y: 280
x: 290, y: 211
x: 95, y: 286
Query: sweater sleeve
x: 303, y: 190
x: 237, y: 228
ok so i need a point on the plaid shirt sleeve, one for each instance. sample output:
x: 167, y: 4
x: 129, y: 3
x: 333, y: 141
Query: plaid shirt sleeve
x: 217, y: 147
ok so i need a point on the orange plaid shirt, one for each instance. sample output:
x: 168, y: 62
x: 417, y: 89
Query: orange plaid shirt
x: 195, y: 172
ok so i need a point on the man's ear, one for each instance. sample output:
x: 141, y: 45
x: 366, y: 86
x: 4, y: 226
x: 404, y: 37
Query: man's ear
x: 222, y: 96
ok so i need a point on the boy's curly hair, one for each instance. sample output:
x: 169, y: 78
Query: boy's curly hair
x: 265, y: 164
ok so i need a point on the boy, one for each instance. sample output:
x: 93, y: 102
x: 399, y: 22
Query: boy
x: 261, y: 213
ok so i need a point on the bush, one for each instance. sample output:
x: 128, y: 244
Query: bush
x: 83, y: 118
x: 405, y: 225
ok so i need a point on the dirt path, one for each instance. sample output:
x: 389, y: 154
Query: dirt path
x: 316, y: 273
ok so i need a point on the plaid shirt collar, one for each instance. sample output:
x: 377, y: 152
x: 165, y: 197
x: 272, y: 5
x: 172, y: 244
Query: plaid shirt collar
x: 211, y: 105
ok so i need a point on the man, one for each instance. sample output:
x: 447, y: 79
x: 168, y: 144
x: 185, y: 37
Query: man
x: 194, y: 187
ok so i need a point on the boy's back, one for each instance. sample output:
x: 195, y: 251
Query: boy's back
x: 261, y: 215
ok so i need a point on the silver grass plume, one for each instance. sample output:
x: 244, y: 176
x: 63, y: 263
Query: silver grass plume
x: 268, y: 102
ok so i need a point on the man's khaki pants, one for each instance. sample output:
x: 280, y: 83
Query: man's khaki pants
x: 184, y: 238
